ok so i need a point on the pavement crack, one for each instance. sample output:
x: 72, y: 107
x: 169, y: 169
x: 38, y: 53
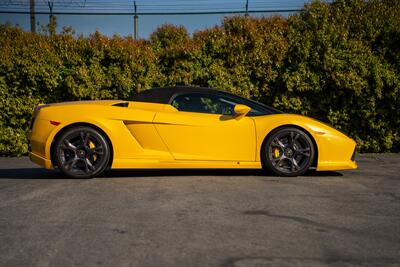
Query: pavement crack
x: 318, y: 225
x: 119, y: 231
x: 306, y: 261
x: 391, y: 195
x: 287, y: 217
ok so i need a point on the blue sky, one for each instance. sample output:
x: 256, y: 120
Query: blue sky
x: 123, y: 24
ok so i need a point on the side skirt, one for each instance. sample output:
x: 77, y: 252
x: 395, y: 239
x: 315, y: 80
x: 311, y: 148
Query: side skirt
x: 182, y: 164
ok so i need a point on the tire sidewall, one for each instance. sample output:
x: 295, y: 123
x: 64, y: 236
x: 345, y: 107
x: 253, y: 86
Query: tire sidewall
x: 266, y: 163
x: 92, y: 131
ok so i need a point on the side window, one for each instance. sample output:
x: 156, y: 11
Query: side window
x: 204, y: 103
x: 213, y: 104
x: 256, y: 112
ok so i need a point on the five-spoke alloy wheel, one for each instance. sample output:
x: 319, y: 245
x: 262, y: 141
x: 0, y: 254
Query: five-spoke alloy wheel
x: 288, y: 152
x: 81, y: 152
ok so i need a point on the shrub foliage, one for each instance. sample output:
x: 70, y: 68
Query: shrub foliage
x: 338, y: 62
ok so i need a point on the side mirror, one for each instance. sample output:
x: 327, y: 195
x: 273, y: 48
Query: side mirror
x: 241, y: 110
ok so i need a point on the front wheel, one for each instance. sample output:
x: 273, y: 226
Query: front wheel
x: 288, y: 152
x: 81, y: 152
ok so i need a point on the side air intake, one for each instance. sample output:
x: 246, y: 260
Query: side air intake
x: 121, y: 104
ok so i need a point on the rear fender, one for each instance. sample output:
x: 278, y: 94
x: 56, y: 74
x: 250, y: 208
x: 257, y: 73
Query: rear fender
x: 63, y: 125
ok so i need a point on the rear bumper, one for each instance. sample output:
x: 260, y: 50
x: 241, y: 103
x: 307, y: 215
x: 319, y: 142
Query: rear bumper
x: 39, y: 160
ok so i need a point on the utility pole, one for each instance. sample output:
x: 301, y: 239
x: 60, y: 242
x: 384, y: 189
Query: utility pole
x: 247, y: 8
x: 50, y: 4
x: 135, y: 22
x: 32, y: 13
x: 52, y: 19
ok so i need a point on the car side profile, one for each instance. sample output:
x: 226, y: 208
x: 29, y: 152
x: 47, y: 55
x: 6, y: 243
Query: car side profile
x: 183, y: 127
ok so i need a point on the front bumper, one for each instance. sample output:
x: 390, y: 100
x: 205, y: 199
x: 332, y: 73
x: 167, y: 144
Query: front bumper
x: 39, y: 160
x: 340, y: 164
x: 336, y: 165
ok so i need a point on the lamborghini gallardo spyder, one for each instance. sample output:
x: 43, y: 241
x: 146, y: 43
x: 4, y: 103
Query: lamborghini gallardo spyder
x: 183, y: 127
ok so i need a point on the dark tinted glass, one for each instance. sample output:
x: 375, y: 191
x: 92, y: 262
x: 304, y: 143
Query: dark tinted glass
x: 208, y: 103
x: 203, y: 103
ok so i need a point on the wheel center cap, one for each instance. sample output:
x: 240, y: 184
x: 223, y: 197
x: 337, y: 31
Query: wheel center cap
x: 81, y: 153
x: 288, y: 152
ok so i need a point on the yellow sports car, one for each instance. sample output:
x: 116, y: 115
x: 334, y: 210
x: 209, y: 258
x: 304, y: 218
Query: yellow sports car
x: 183, y: 127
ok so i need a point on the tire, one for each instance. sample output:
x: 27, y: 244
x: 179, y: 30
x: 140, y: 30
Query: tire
x: 81, y: 152
x: 287, y: 152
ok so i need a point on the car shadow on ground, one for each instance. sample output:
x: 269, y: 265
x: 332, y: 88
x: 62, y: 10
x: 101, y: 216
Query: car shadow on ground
x: 39, y: 173
x: 201, y: 172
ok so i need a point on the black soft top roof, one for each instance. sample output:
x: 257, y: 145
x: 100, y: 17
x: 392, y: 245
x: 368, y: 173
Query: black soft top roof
x: 163, y: 95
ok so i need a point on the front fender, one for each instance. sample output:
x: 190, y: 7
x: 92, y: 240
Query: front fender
x: 335, y: 149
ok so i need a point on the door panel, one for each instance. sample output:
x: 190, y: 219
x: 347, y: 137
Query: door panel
x: 201, y: 136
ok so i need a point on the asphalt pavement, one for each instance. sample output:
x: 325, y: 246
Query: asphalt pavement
x: 220, y: 218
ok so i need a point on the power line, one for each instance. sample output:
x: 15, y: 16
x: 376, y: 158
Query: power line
x: 153, y: 8
x: 119, y: 6
x: 155, y: 13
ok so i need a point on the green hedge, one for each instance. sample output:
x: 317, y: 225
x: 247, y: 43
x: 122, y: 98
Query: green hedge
x: 337, y: 62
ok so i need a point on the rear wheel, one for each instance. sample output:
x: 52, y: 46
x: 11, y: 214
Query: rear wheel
x: 288, y: 152
x: 82, y: 152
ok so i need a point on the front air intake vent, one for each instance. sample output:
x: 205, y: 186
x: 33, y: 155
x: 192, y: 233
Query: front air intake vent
x: 353, y: 157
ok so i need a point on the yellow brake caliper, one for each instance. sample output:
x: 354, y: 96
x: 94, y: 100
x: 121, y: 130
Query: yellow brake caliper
x: 277, y: 152
x: 91, y: 146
